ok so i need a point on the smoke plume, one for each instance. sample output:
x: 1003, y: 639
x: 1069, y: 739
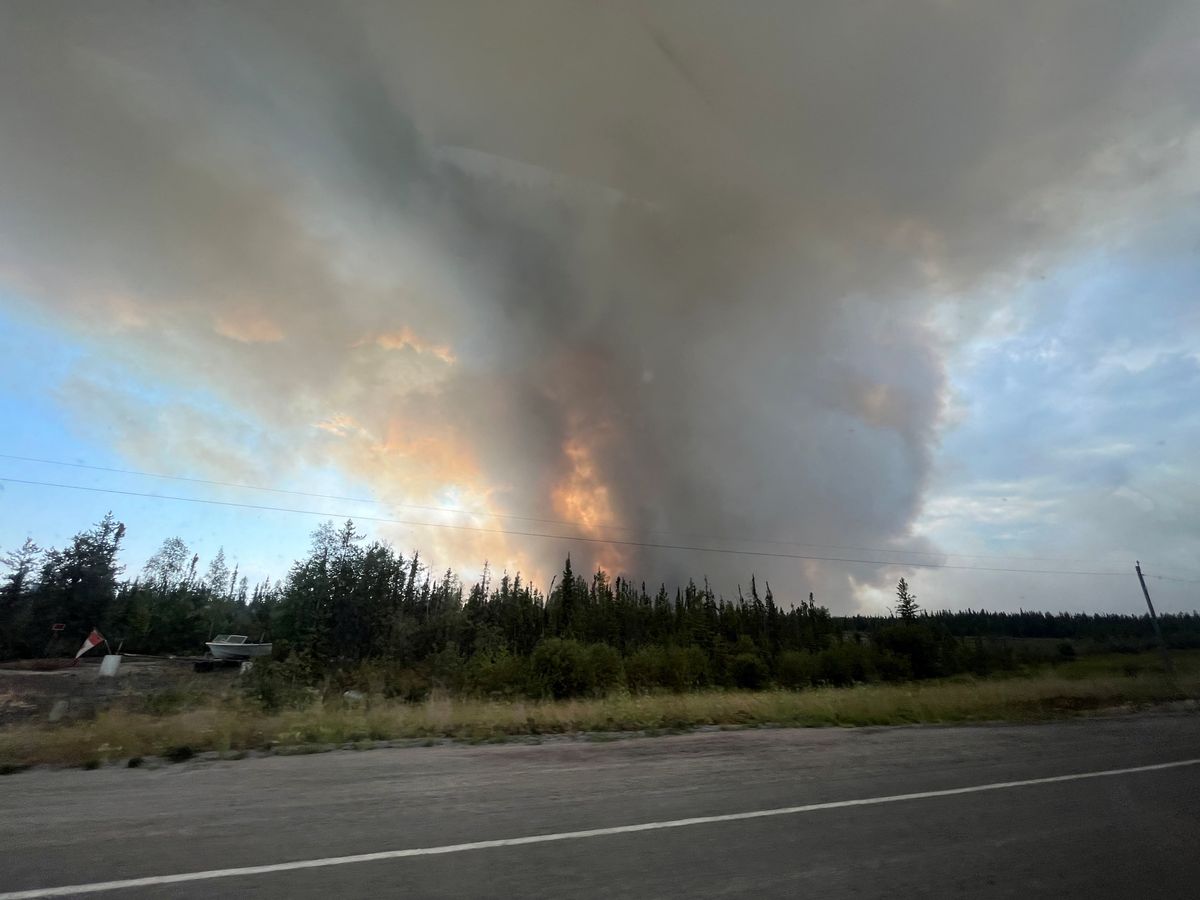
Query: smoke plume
x: 670, y: 271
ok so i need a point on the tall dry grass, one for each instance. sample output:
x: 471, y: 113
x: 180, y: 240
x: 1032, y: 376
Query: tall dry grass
x: 231, y: 726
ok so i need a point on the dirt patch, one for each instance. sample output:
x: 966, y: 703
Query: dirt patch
x: 40, y: 665
x: 31, y: 690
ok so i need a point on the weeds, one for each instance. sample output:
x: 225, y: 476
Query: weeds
x: 235, y: 725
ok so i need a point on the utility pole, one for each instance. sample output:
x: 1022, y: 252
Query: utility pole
x: 1162, y: 645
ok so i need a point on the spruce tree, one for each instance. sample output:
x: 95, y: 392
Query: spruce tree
x: 906, y: 604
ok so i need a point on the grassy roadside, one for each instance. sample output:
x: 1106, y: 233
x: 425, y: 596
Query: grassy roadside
x: 231, y: 726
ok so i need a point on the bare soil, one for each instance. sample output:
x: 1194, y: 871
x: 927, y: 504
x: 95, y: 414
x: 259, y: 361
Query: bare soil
x: 31, y: 691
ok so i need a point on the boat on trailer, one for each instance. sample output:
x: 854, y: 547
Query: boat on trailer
x: 236, y: 646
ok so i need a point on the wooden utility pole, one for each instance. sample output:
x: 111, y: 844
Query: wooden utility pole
x: 1162, y: 645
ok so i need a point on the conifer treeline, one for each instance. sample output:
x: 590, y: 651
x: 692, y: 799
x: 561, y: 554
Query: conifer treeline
x: 350, y: 602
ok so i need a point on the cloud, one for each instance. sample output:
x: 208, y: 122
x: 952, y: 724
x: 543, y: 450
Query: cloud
x: 248, y: 327
x: 1078, y: 444
x: 405, y: 339
x: 675, y: 266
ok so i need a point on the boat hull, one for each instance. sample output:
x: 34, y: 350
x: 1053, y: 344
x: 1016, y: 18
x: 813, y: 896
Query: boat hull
x: 238, y: 651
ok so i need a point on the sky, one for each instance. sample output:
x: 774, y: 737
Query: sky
x: 830, y: 294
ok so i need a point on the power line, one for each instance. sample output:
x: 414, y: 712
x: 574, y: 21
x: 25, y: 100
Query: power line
x: 1173, y: 578
x: 232, y: 484
x: 535, y: 519
x: 560, y: 537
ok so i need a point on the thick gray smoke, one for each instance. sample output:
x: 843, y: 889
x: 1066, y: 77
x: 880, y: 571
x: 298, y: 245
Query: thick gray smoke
x: 678, y: 267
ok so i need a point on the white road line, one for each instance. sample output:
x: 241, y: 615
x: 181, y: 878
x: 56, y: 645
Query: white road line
x: 157, y: 880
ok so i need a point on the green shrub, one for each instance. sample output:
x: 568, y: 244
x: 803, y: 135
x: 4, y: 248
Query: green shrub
x: 643, y: 669
x: 406, y: 683
x: 278, y: 685
x: 892, y: 667
x: 561, y: 668
x: 916, y: 643
x: 170, y: 700
x: 497, y: 675
x: 688, y: 668
x: 351, y: 678
x: 605, y: 669
x: 748, y: 671
x: 675, y: 668
x: 795, y: 669
x: 984, y: 658
x: 446, y: 667
x: 844, y: 664
x: 378, y: 678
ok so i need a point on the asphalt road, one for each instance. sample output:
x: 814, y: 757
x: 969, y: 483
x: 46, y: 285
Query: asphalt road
x: 1133, y: 834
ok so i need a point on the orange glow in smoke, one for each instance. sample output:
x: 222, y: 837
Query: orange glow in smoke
x: 438, y: 458
x: 248, y: 327
x: 406, y: 339
x: 582, y: 497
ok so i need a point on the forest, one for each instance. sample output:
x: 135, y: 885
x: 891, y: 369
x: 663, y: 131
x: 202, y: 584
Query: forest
x: 356, y: 611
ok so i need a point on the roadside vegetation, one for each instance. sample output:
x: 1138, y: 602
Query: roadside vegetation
x: 355, y: 610
x: 369, y: 645
x: 187, y: 722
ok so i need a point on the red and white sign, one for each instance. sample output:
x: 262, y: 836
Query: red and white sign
x: 92, y: 640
